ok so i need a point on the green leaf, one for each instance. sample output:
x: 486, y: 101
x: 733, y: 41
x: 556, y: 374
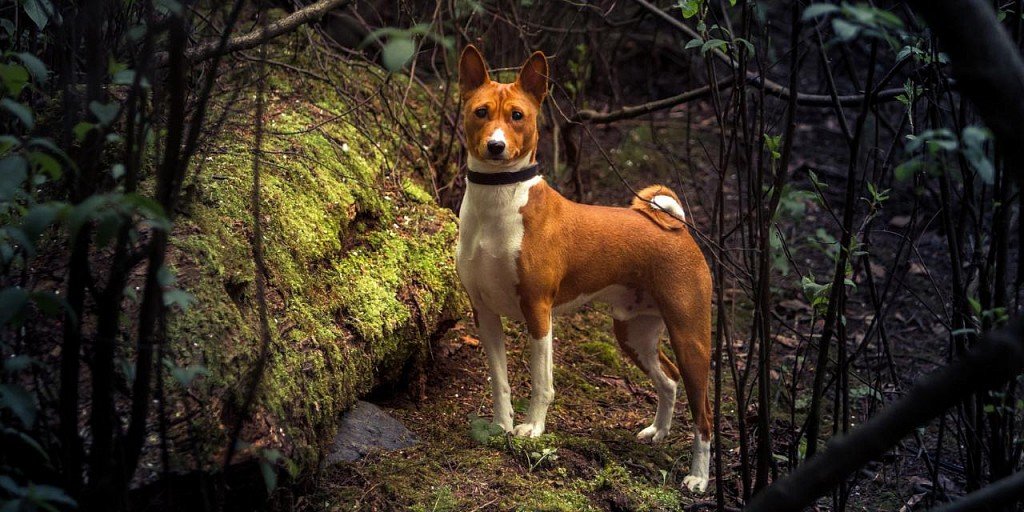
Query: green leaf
x: 39, y: 11
x: 127, y: 77
x: 34, y: 66
x: 481, y: 430
x: 8, y: 143
x: 816, y: 10
x: 975, y: 305
x: 179, y: 298
x: 49, y: 494
x: 150, y: 209
x: 14, y: 76
x: 397, y: 52
x: 105, y: 113
x: 107, y: 226
x: 170, y: 7
x: 693, y: 43
x: 38, y: 218
x: 712, y: 44
x: 269, y: 473
x: 747, y: 44
x: 185, y: 375
x: 17, y: 363
x: 11, y: 301
x: 13, y: 434
x: 46, y: 164
x: 23, y: 113
x: 82, y: 129
x: 47, y: 144
x: 13, y: 172
x: 845, y: 30
x: 690, y: 8
x: 975, y: 138
x: 19, y: 402
x: 165, y: 276
x: 885, y: 17
x: 83, y: 212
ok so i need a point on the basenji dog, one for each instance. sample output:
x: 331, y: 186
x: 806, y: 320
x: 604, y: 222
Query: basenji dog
x: 527, y: 253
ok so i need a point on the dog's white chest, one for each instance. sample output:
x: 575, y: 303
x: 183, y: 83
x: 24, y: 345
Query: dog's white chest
x: 490, y: 239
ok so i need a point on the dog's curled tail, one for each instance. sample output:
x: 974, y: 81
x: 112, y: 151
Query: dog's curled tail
x: 661, y: 205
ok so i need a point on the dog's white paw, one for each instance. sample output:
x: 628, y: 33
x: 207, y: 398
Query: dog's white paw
x: 528, y: 429
x: 652, y: 434
x: 695, y: 483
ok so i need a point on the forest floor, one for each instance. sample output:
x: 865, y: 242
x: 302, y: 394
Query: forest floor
x: 589, y: 459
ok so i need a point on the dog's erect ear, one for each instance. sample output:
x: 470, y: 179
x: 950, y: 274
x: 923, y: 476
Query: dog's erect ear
x: 472, y: 70
x: 533, y: 77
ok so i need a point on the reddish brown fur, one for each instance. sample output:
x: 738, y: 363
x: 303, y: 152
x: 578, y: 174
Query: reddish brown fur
x: 663, y: 219
x: 524, y: 95
x: 571, y: 249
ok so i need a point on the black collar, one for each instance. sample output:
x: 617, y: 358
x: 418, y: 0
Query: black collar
x: 503, y: 178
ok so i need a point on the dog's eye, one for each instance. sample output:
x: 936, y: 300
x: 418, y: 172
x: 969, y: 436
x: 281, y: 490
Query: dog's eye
x: 481, y: 112
x: 516, y: 115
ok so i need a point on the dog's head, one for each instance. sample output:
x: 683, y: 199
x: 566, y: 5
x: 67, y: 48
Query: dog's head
x: 501, y: 119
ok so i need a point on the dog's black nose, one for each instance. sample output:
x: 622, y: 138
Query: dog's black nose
x: 495, y: 147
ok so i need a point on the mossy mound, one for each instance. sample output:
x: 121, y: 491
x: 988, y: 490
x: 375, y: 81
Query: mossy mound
x: 359, y: 258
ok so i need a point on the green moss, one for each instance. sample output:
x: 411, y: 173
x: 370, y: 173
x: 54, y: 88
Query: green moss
x: 604, y: 352
x: 548, y: 500
x: 360, y: 270
x: 416, y: 192
x: 639, y: 495
x: 442, y: 500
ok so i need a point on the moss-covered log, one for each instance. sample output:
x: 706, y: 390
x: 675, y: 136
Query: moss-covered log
x: 359, y: 260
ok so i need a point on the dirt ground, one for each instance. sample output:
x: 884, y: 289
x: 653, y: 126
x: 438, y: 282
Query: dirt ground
x: 589, y: 459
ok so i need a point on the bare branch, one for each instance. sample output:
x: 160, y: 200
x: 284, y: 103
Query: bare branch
x: 646, y: 108
x: 775, y: 88
x: 259, y: 36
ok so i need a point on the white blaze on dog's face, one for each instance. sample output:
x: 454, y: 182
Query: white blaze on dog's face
x: 501, y: 119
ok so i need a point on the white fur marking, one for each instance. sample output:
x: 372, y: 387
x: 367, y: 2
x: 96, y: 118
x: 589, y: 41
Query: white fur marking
x: 492, y: 166
x: 494, y: 345
x: 642, y: 335
x: 543, y: 392
x: 490, y: 239
x: 497, y: 136
x: 700, y: 464
x: 669, y: 205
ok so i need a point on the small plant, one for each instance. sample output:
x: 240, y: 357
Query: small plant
x: 482, y: 430
x: 538, y: 458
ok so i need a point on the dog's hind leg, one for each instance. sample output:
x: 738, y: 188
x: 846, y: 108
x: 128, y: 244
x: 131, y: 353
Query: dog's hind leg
x: 690, y: 334
x: 638, y: 338
x: 493, y: 340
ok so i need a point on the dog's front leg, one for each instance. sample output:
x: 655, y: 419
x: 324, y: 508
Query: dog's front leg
x: 493, y: 340
x: 541, y: 373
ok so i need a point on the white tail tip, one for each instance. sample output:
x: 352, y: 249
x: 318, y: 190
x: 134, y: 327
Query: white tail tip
x: 669, y: 205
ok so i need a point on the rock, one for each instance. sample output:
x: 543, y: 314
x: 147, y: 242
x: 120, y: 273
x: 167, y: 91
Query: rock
x: 364, y: 428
